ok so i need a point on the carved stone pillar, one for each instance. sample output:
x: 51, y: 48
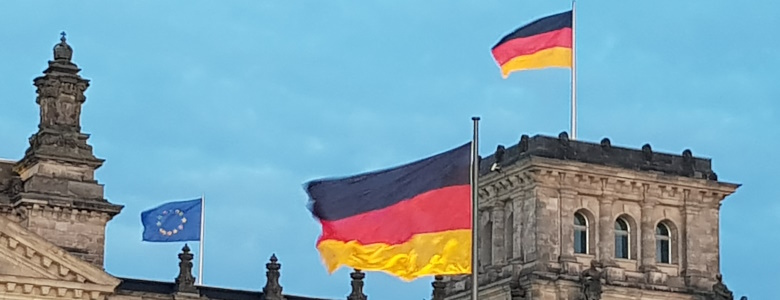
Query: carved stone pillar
x: 693, y: 266
x: 497, y: 218
x: 606, y: 233
x: 518, y: 226
x: 568, y: 202
x: 648, y: 237
x: 485, y: 238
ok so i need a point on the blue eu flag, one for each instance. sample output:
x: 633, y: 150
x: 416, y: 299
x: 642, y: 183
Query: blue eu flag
x: 173, y: 222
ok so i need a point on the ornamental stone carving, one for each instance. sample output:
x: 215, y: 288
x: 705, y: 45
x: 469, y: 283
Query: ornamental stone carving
x: 11, y: 186
x: 272, y: 289
x: 590, y: 279
x: 185, y: 282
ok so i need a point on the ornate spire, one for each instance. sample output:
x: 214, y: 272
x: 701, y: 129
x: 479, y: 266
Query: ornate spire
x: 438, y: 287
x: 60, y: 157
x: 357, y: 286
x: 63, y: 51
x: 185, y: 282
x: 61, y: 96
x: 272, y: 289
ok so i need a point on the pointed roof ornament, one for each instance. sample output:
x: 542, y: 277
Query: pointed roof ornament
x: 272, y: 289
x: 185, y: 282
x: 62, y: 64
x: 438, y: 287
x: 357, y: 286
x: 63, y: 51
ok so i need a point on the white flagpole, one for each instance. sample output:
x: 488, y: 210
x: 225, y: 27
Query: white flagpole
x: 573, y: 71
x: 202, y: 238
x: 474, y: 210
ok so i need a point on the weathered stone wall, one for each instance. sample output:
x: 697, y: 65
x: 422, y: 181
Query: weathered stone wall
x: 82, y: 233
x: 567, y: 290
x: 541, y: 195
x: 127, y: 295
x: 64, y: 204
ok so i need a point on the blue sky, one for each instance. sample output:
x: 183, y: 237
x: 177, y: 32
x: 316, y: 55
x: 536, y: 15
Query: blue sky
x: 246, y: 100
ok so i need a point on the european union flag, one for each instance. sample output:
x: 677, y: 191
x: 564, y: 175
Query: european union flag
x: 173, y: 222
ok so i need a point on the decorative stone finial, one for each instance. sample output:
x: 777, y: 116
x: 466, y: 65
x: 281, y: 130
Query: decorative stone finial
x: 563, y: 136
x: 687, y: 156
x: 272, y: 289
x: 713, y: 176
x: 63, y: 51
x: 438, y: 288
x: 500, y: 150
x: 606, y: 143
x: 647, y: 151
x: 185, y: 282
x: 523, y: 145
x: 357, y: 286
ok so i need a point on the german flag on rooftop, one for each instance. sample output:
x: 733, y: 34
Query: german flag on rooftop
x: 409, y: 221
x: 544, y: 43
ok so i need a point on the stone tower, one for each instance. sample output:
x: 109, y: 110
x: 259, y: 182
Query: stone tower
x: 562, y: 219
x: 59, y: 198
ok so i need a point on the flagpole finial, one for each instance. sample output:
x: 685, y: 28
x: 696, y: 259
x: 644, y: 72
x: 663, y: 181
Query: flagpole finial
x: 475, y: 118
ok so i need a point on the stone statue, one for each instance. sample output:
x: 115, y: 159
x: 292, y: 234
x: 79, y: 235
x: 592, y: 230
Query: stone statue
x: 720, y: 291
x: 591, y: 282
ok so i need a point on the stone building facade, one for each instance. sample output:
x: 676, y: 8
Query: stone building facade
x: 560, y: 219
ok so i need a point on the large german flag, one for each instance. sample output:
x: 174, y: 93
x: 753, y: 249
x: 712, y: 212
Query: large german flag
x: 410, y: 221
x: 544, y: 43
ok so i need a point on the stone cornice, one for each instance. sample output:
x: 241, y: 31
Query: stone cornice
x: 49, y: 288
x: 600, y: 180
x: 32, y: 158
x: 60, y: 205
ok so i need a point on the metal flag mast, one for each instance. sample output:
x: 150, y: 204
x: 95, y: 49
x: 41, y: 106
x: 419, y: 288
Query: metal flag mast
x: 474, y: 209
x: 573, y: 71
x: 202, y: 238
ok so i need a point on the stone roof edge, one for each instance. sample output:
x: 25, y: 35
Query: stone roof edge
x: 577, y: 150
x: 206, y: 287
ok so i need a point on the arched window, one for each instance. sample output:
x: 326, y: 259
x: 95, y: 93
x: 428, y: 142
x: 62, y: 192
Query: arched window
x: 622, y: 239
x: 663, y: 244
x: 580, y: 233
